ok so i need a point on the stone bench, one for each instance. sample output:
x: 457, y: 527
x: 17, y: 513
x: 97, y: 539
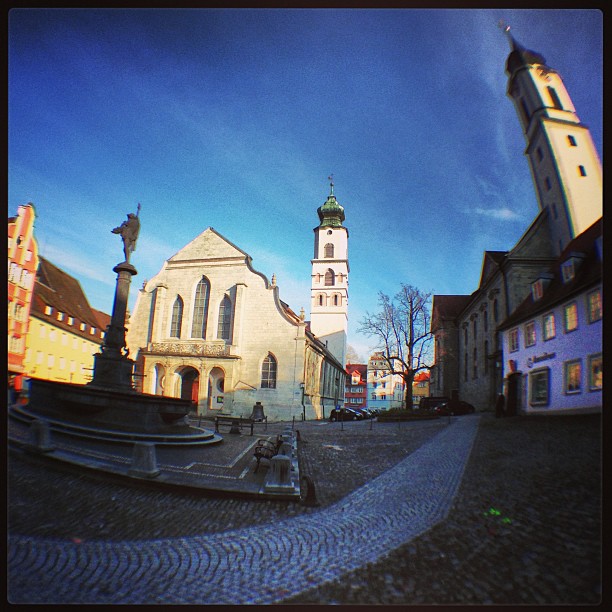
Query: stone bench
x: 266, y: 449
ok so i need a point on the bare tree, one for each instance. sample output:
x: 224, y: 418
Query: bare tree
x: 401, y: 328
x: 351, y: 355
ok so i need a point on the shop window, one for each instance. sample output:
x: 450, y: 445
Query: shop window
x: 595, y: 373
x: 573, y: 376
x: 539, y: 387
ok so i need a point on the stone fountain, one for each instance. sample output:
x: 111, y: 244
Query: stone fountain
x: 110, y: 401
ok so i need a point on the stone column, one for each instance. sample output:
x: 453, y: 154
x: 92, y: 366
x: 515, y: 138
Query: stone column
x: 112, y: 367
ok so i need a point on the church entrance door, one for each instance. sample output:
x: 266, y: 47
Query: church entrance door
x: 216, y: 389
x: 190, y: 387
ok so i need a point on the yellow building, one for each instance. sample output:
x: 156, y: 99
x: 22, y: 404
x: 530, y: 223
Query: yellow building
x: 420, y: 387
x: 65, y: 332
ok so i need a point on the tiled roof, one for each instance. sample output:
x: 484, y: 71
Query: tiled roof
x: 103, y: 318
x: 588, y: 274
x: 449, y: 306
x: 361, y: 368
x: 63, y: 293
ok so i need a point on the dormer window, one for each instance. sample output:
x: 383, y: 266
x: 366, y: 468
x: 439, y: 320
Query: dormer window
x: 538, y: 287
x: 48, y: 310
x: 60, y: 316
x: 570, y: 266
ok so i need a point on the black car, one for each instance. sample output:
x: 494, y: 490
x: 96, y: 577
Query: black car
x: 428, y: 404
x: 345, y: 414
x: 454, y: 408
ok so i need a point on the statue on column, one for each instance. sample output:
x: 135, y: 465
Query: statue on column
x: 129, y: 233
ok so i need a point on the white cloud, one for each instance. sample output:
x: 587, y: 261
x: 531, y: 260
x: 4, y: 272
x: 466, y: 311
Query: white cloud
x: 78, y: 264
x: 502, y: 214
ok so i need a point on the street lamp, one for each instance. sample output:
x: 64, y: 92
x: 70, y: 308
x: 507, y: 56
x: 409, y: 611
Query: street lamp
x: 302, y: 385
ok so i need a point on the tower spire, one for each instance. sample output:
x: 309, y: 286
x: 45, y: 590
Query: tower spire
x: 331, y: 184
x: 506, y: 28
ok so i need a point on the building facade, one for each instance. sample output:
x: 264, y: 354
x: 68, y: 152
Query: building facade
x: 420, y: 387
x: 65, y: 332
x: 385, y: 390
x: 356, y: 391
x: 553, y: 341
x: 329, y: 281
x: 469, y: 352
x: 210, y: 328
x: 22, y: 266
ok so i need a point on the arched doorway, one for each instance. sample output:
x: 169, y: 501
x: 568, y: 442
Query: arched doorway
x: 190, y: 386
x: 216, y: 389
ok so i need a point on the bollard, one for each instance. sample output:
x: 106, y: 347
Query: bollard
x: 40, y: 436
x: 144, y: 461
x: 279, y: 475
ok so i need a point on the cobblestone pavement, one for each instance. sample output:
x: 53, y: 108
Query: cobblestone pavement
x: 524, y: 527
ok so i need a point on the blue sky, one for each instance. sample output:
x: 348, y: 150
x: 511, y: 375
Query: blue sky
x: 234, y: 119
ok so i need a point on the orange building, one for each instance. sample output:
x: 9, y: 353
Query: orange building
x: 22, y: 266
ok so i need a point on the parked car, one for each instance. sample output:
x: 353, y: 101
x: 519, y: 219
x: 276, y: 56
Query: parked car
x: 367, y: 413
x: 347, y: 414
x: 454, y: 408
x: 430, y: 403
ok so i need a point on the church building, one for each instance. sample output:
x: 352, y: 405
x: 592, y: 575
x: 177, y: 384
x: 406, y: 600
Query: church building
x: 210, y: 328
x: 566, y: 170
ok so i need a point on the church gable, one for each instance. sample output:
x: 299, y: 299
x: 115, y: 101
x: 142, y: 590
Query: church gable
x: 209, y: 245
x: 490, y: 264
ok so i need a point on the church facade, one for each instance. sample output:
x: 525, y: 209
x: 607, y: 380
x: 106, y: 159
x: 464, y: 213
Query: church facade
x: 469, y: 352
x: 210, y: 328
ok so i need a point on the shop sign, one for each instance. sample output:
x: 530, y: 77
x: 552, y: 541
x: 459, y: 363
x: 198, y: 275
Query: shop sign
x: 537, y: 358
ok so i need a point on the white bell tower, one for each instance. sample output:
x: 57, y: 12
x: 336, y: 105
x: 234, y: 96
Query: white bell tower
x: 564, y: 163
x: 329, y: 286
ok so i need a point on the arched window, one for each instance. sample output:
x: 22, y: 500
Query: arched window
x: 329, y: 278
x: 225, y: 319
x: 177, y: 317
x: 200, y: 309
x: 495, y: 311
x: 336, y: 300
x: 321, y: 300
x: 268, y: 373
x: 329, y: 250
